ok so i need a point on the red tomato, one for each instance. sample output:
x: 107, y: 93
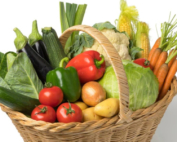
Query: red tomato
x: 44, y: 113
x: 51, y: 96
x: 68, y: 112
x: 143, y: 62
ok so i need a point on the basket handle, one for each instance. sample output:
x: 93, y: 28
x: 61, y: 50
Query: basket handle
x: 116, y: 62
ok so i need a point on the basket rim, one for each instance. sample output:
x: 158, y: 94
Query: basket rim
x: 75, y: 127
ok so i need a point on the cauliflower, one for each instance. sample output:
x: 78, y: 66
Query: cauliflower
x: 119, y: 40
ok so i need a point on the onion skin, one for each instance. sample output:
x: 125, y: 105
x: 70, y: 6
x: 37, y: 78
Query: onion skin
x: 93, y: 93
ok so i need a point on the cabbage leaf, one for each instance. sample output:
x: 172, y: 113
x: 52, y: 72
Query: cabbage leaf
x: 143, y: 85
x: 22, y: 77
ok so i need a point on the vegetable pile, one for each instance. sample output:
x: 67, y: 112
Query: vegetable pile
x: 77, y: 83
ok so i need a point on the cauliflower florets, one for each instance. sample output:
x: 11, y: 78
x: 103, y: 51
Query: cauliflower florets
x: 119, y: 40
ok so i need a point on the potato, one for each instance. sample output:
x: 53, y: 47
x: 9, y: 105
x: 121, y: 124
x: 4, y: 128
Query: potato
x: 107, y: 108
x: 88, y: 115
x: 82, y: 105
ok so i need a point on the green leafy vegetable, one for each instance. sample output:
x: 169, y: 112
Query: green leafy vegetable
x: 85, y: 40
x: 3, y: 65
x: 143, y: 85
x: 81, y: 41
x: 1, y: 56
x: 4, y: 84
x: 73, y: 15
x: 10, y: 59
x: 22, y: 77
x: 105, y: 25
x: 133, y: 52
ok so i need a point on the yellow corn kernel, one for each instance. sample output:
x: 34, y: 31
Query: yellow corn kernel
x: 145, y: 45
x: 127, y: 19
x: 125, y: 25
x: 142, y: 39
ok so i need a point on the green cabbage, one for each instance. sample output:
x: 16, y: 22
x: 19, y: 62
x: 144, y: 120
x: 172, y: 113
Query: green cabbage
x: 143, y: 85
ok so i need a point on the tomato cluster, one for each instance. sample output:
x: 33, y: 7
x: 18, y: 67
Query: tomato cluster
x: 50, y: 97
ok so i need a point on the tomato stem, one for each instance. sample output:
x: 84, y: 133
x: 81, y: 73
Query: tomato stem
x: 48, y: 85
x: 42, y: 110
x: 146, y: 63
x: 69, y: 110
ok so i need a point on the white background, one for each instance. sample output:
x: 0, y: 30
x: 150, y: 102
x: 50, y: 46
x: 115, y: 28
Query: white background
x: 21, y: 13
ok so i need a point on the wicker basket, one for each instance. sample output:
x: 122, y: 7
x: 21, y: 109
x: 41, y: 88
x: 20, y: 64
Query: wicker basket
x: 138, y: 126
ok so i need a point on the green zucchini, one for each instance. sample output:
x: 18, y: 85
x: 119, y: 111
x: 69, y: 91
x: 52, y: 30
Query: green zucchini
x: 16, y: 101
x: 53, y: 46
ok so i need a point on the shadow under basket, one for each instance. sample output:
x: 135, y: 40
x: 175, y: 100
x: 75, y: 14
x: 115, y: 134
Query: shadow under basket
x: 128, y: 126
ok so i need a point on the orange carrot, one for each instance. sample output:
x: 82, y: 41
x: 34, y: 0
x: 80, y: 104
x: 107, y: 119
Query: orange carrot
x: 160, y: 61
x: 172, y: 60
x: 161, y: 74
x: 156, y: 45
x: 155, y: 57
x: 168, y: 79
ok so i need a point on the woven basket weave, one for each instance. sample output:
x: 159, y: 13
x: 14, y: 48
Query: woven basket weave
x: 138, y: 126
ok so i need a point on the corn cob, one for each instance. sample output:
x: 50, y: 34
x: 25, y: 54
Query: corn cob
x: 142, y: 39
x: 127, y: 19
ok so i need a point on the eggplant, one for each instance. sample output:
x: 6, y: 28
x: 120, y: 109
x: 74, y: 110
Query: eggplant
x: 41, y: 66
x: 40, y: 48
x: 36, y: 42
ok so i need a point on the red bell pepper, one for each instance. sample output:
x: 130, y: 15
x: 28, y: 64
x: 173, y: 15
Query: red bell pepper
x: 90, y: 65
x: 143, y: 62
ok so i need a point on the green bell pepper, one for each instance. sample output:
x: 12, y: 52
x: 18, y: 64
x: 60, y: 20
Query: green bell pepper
x: 67, y: 79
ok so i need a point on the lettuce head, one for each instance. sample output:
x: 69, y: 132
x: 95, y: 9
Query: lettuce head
x: 143, y: 85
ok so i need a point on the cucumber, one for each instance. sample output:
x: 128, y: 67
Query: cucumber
x: 53, y: 46
x: 17, y: 102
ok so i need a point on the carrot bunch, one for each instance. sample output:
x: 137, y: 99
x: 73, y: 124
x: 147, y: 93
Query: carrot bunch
x: 164, y: 66
x: 166, y: 73
x: 163, y: 54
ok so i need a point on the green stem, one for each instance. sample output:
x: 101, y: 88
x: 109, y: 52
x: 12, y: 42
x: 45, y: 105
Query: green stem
x: 172, y: 42
x: 34, y: 36
x: 66, y: 59
x: 21, y: 40
x: 147, y: 63
x: 100, y: 62
x: 42, y: 110
x: 173, y: 54
x: 162, y: 46
x: 46, y: 30
x: 69, y: 110
x: 48, y: 85
x: 166, y: 32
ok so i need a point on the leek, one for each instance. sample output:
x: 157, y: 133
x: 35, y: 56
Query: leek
x: 70, y: 15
